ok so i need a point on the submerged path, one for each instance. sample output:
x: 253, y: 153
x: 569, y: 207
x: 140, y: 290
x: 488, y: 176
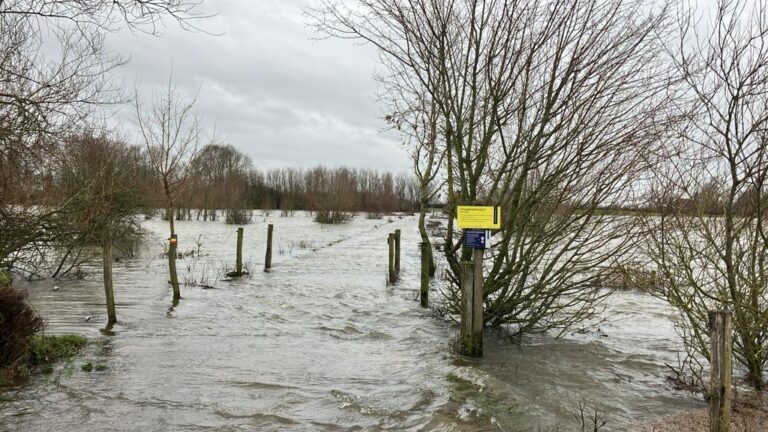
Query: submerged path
x: 318, y: 344
x: 321, y: 343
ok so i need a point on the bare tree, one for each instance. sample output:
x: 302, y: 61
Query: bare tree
x: 100, y: 172
x: 415, y: 114
x: 145, y: 16
x: 332, y: 194
x: 548, y: 109
x: 171, y: 134
x: 708, y: 242
x: 222, y: 171
x: 46, y: 96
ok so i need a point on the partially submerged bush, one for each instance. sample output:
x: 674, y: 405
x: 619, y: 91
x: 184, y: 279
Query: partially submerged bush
x: 627, y: 276
x: 128, y: 239
x: 334, y: 217
x: 20, y: 345
x: 18, y: 323
x: 238, y: 216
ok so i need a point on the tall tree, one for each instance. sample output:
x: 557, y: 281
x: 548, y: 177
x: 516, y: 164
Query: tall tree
x: 416, y: 115
x: 548, y: 109
x: 170, y: 131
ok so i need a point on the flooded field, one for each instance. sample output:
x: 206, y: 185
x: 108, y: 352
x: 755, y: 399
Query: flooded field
x: 322, y: 344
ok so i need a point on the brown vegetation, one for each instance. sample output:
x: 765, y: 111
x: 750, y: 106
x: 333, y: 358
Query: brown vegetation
x: 711, y: 253
x: 53, y: 195
x: 19, y: 323
x: 224, y: 178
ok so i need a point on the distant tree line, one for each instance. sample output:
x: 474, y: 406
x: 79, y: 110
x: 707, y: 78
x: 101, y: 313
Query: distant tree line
x: 219, y: 178
x: 700, y: 198
x: 222, y: 178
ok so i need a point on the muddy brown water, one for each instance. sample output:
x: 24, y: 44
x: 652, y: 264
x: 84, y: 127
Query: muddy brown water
x: 322, y: 344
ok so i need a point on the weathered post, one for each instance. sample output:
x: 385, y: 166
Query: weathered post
x: 391, y: 271
x: 477, y: 301
x: 110, y: 293
x: 239, y: 261
x: 720, y: 372
x: 466, y: 337
x: 172, y: 243
x: 425, y: 256
x: 268, y: 258
x: 477, y: 223
x: 397, y: 252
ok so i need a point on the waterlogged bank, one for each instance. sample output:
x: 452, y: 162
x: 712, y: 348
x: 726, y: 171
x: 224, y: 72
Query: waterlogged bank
x: 321, y: 343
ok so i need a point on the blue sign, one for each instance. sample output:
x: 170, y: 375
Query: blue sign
x: 477, y: 239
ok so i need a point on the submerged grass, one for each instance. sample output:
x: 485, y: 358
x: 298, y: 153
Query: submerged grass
x: 51, y: 349
x: 42, y: 353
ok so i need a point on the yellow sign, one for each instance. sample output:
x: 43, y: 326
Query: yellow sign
x: 480, y: 217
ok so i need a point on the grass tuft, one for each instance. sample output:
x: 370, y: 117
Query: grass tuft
x: 50, y: 349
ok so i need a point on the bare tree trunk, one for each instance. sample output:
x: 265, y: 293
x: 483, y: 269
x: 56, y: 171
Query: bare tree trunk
x: 425, y: 236
x: 172, y: 267
x: 174, y: 277
x: 172, y: 249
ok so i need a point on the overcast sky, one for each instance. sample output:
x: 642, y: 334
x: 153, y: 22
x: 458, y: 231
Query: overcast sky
x: 268, y: 87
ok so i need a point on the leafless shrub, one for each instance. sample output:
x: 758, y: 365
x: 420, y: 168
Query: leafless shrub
x: 708, y: 237
x: 239, y: 216
x: 332, y: 217
x: 18, y: 322
x: 590, y: 422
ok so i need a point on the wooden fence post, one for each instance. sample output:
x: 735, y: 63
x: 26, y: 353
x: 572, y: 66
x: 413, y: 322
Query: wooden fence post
x: 239, y: 262
x: 268, y: 258
x: 108, y: 288
x: 466, y: 336
x: 720, y: 371
x: 397, y: 252
x: 391, y: 271
x: 477, y: 301
x: 425, y: 256
x: 172, y: 244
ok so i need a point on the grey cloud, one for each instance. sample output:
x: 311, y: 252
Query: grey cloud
x: 271, y: 90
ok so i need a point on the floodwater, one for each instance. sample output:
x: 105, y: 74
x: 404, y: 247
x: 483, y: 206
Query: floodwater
x: 322, y: 344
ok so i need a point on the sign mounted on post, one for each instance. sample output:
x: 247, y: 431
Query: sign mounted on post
x: 477, y: 239
x: 479, y: 217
